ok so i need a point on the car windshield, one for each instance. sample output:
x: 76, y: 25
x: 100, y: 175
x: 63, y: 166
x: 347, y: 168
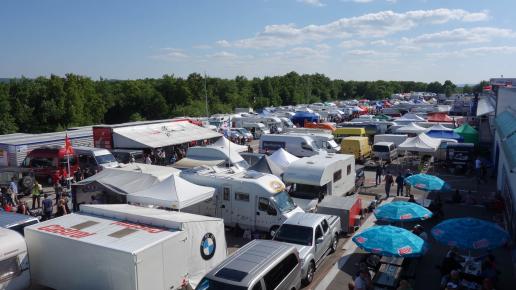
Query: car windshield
x: 333, y: 144
x: 294, y: 234
x: 380, y: 148
x: 284, y: 202
x: 306, y: 191
x: 208, y: 284
x: 103, y: 159
x: 288, y: 123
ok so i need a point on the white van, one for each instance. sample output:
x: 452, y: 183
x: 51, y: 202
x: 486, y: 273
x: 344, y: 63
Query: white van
x: 325, y: 141
x: 300, y: 146
x: 95, y: 158
x: 14, y: 270
x: 244, y: 199
x: 385, y: 151
x: 257, y: 129
x: 312, y: 178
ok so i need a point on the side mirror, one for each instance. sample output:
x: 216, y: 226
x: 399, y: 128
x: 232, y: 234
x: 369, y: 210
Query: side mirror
x: 319, y: 240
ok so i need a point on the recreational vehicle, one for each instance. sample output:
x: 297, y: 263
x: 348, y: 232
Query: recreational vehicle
x: 314, y: 177
x: 244, y: 199
x: 14, y: 270
x: 300, y: 146
x: 324, y: 141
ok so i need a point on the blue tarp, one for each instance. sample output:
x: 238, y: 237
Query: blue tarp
x: 445, y: 135
x: 300, y: 117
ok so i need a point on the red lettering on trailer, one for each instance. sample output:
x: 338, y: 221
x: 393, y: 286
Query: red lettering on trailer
x: 67, y: 232
x: 148, y: 229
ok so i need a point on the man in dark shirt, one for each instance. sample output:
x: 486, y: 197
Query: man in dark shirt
x: 379, y: 172
x: 47, y: 207
x: 399, y: 182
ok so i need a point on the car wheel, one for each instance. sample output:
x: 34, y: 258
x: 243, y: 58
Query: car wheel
x: 272, y: 231
x: 334, y: 243
x: 309, y: 274
x: 27, y: 182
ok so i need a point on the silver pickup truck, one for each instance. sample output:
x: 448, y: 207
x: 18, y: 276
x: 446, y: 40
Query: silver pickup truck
x: 314, y: 235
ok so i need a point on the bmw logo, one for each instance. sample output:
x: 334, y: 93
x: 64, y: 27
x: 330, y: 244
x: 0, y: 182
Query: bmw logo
x: 208, y: 246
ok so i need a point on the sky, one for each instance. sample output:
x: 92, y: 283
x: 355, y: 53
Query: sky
x: 415, y: 40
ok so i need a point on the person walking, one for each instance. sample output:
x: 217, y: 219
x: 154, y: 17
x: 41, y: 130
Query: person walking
x: 48, y: 207
x: 399, y: 183
x: 379, y: 172
x: 388, y: 183
x: 36, y: 195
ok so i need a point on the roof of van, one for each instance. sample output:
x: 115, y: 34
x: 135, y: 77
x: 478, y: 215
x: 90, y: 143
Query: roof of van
x: 355, y: 138
x: 383, y: 143
x: 245, y: 266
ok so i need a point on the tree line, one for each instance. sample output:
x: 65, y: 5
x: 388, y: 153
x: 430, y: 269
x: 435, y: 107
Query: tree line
x: 47, y: 104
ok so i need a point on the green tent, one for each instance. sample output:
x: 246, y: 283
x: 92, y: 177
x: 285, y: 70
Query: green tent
x: 467, y: 132
x: 383, y: 117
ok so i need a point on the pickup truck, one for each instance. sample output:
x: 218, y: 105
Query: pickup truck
x: 314, y: 235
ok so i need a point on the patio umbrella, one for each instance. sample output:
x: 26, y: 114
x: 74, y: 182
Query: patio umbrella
x: 390, y: 241
x: 402, y: 211
x: 470, y: 234
x: 426, y: 182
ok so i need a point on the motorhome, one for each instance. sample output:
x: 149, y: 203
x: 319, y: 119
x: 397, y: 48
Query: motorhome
x: 385, y: 151
x: 257, y: 129
x: 14, y: 270
x: 313, y: 178
x: 343, y: 132
x: 325, y: 141
x: 397, y: 139
x: 300, y: 146
x: 121, y: 246
x: 95, y: 158
x: 244, y: 199
x: 270, y: 122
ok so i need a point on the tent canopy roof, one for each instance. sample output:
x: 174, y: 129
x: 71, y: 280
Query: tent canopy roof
x: 282, y: 158
x: 439, y: 117
x: 420, y: 143
x: 439, y: 127
x: 412, y: 128
x: 225, y: 143
x: 267, y: 165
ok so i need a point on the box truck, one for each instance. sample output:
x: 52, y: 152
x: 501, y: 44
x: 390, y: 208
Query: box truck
x: 124, y: 247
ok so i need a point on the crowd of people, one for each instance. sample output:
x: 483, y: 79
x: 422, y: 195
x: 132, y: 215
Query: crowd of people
x: 403, y: 188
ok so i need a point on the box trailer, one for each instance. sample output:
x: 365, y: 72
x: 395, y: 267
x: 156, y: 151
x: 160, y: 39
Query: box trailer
x: 124, y: 247
x: 346, y: 207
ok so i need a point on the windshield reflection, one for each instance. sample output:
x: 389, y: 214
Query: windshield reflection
x: 284, y: 202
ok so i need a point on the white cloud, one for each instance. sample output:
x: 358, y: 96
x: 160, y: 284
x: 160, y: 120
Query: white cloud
x: 460, y: 36
x: 362, y: 1
x: 381, y: 42
x: 171, y: 54
x: 351, y: 43
x: 360, y: 52
x: 320, y: 51
x: 368, y: 25
x: 223, y: 55
x: 317, y: 3
x: 475, y: 51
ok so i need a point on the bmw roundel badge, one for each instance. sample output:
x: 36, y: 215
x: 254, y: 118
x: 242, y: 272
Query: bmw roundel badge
x: 208, y: 246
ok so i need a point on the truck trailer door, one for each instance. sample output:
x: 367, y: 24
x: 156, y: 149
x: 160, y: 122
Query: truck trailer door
x: 225, y: 210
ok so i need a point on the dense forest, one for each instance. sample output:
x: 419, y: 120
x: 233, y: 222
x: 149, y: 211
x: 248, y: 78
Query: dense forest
x: 51, y: 104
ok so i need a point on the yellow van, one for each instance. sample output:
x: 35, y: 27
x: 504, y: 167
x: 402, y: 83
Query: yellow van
x: 340, y: 133
x: 358, y: 146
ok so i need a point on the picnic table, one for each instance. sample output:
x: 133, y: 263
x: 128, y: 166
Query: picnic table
x: 396, y: 261
x: 387, y: 276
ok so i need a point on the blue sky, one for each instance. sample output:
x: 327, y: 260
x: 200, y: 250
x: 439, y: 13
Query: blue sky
x: 422, y: 40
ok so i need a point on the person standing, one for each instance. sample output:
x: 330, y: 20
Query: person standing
x: 36, y: 195
x: 408, y: 187
x: 148, y: 160
x: 379, y: 172
x: 478, y: 169
x: 61, y: 208
x: 399, y: 183
x: 388, y: 183
x: 13, y: 187
x: 48, y: 207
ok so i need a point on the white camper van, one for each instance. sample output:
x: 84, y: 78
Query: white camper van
x: 121, y: 246
x: 244, y: 199
x: 314, y: 177
x: 269, y: 122
x: 95, y: 158
x: 14, y: 270
x: 300, y: 146
x: 325, y: 141
x: 397, y: 139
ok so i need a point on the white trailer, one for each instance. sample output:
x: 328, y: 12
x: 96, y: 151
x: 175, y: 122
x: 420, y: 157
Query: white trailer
x: 245, y: 199
x: 124, y: 247
x: 14, y: 270
x: 314, y: 177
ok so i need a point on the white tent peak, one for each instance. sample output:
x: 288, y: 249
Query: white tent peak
x: 282, y: 158
x: 412, y: 128
x: 411, y: 116
x: 439, y: 127
x: 226, y: 144
x: 420, y: 143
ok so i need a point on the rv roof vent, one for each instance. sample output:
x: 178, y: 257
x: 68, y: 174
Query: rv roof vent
x: 84, y: 225
x: 122, y: 233
x: 231, y: 274
x: 310, y: 162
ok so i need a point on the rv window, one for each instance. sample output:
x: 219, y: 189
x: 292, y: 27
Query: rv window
x: 263, y: 204
x: 349, y: 169
x: 226, y: 194
x: 241, y: 196
x: 277, y: 274
x: 9, y: 269
x: 337, y: 175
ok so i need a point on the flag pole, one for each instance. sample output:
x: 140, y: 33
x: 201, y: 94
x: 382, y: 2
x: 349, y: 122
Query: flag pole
x: 68, y: 161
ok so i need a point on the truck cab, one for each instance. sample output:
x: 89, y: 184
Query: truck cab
x: 314, y: 236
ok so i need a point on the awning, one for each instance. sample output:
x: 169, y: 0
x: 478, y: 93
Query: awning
x: 186, y: 163
x: 160, y: 135
x: 485, y: 106
x: 173, y: 192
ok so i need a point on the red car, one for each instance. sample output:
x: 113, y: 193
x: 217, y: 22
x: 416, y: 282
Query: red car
x: 50, y: 164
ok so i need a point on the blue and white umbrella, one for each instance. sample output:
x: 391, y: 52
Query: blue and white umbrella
x: 426, y: 182
x: 470, y: 234
x: 402, y: 211
x: 390, y: 241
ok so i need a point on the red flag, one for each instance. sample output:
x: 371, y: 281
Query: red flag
x: 68, y: 146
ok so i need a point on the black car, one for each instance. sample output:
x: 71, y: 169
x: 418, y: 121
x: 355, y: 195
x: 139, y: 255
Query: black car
x: 24, y: 177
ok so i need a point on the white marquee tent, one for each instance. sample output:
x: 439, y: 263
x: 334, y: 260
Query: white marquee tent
x: 282, y: 158
x: 226, y: 144
x: 420, y: 143
x: 440, y: 127
x: 412, y: 128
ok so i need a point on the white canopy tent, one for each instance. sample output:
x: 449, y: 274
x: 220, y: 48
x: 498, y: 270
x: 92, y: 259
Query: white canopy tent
x: 173, y: 192
x: 228, y: 145
x: 439, y: 127
x: 282, y: 158
x: 420, y: 143
x: 411, y: 128
x: 412, y: 116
